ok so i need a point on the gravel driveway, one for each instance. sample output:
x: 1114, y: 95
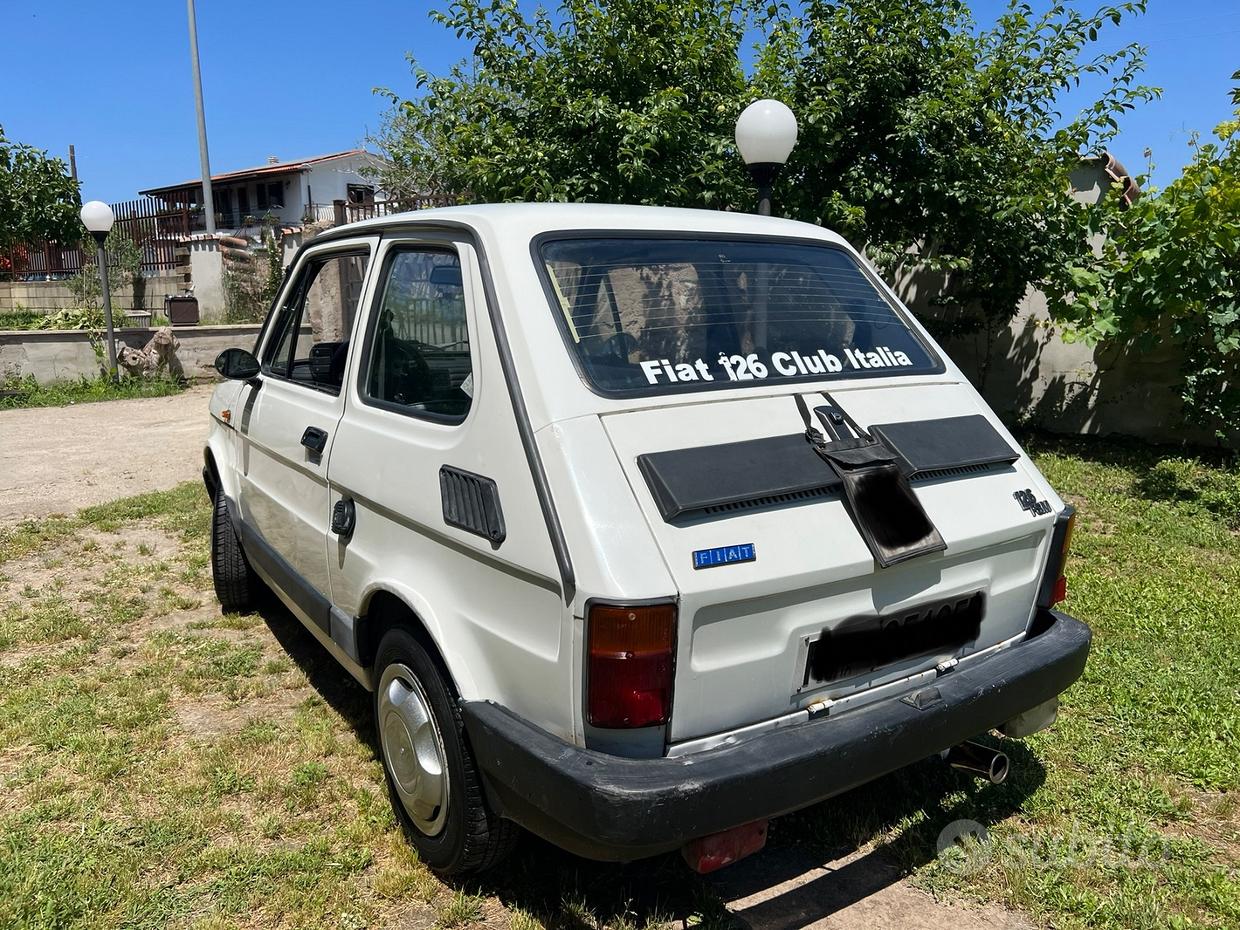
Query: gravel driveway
x: 60, y: 459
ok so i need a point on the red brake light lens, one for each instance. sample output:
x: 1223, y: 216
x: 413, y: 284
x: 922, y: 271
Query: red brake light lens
x: 629, y: 665
x: 1059, y: 590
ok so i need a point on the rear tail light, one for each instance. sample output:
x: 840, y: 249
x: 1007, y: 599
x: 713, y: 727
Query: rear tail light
x: 629, y: 667
x: 1054, y: 583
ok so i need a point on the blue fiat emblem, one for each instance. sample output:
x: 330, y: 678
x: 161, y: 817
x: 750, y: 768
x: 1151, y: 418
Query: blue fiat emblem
x: 724, y: 555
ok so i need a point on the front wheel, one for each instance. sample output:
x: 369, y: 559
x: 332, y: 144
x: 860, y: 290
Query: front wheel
x: 434, y: 785
x: 236, y: 585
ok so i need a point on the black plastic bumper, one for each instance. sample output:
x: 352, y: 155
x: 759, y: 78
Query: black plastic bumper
x: 608, y: 807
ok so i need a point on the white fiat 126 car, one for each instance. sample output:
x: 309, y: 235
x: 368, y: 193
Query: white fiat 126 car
x: 642, y: 525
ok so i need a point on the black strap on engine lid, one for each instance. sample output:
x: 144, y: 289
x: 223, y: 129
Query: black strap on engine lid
x: 877, y: 493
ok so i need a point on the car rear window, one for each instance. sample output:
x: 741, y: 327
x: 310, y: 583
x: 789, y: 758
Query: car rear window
x: 652, y: 315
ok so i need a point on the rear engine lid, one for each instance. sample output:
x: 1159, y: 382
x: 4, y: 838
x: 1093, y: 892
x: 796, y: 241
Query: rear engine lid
x: 781, y: 601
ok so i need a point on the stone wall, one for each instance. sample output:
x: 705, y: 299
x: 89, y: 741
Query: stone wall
x: 58, y: 355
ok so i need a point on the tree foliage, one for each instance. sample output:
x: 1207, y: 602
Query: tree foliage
x: 934, y: 142
x: 624, y: 101
x: 923, y: 138
x: 38, y: 198
x: 1169, y: 267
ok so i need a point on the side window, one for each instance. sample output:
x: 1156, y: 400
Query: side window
x: 419, y: 342
x: 310, y: 336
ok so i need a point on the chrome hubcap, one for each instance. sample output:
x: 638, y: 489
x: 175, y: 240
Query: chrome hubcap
x: 413, y: 749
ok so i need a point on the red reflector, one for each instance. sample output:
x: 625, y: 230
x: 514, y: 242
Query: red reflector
x: 1060, y: 591
x: 630, y: 665
x: 708, y: 853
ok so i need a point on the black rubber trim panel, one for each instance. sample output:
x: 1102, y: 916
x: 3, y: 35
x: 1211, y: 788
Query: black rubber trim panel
x: 607, y: 807
x: 708, y: 480
x: 952, y: 442
x: 471, y: 503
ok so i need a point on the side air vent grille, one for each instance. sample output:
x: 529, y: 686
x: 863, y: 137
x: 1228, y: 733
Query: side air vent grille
x: 956, y: 471
x: 770, y: 500
x: 471, y: 503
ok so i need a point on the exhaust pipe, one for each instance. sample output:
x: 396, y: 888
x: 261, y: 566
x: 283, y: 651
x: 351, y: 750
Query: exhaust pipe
x: 979, y: 760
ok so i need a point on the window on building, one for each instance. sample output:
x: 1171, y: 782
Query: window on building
x: 270, y: 195
x: 361, y: 193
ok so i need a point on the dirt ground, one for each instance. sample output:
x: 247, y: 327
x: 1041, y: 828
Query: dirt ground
x: 60, y: 459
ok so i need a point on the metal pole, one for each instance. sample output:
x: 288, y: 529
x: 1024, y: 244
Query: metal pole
x: 107, y: 307
x: 208, y: 201
x: 764, y: 174
x: 764, y: 200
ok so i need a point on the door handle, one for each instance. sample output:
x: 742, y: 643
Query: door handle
x: 314, y: 439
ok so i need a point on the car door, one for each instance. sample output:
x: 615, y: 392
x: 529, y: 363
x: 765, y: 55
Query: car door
x: 290, y: 418
x: 430, y: 459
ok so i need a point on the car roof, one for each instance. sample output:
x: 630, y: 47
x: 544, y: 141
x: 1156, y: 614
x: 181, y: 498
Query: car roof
x: 531, y: 219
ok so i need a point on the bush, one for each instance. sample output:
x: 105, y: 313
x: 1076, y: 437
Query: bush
x: 20, y: 318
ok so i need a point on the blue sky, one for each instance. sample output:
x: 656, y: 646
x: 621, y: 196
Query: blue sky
x: 295, y: 79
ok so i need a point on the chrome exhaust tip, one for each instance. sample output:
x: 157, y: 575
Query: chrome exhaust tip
x: 979, y: 760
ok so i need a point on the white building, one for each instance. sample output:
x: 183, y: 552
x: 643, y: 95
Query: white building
x: 289, y: 192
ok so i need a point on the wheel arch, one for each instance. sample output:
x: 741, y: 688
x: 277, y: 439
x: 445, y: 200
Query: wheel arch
x: 216, y: 459
x: 387, y: 607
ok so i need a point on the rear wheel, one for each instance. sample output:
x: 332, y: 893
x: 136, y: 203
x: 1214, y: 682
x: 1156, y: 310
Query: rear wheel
x: 434, y: 785
x: 236, y: 584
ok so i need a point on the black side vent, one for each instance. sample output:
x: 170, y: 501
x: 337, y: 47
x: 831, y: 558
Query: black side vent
x: 770, y: 500
x: 471, y: 503
x: 957, y: 471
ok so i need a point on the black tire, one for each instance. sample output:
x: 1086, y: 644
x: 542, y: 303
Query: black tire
x: 472, y: 837
x: 236, y: 585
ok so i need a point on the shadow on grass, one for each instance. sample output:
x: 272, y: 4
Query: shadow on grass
x: 565, y: 891
x: 789, y: 887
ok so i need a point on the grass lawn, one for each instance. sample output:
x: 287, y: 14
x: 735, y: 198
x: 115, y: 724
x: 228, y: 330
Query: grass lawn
x: 25, y: 392
x: 164, y: 765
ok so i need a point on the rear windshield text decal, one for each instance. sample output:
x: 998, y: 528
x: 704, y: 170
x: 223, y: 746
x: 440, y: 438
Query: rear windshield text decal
x: 754, y: 367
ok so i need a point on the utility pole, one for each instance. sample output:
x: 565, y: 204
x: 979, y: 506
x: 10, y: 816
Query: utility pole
x: 72, y: 163
x: 208, y: 201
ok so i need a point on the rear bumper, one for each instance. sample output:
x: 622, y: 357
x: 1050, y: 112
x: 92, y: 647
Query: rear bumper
x: 608, y: 807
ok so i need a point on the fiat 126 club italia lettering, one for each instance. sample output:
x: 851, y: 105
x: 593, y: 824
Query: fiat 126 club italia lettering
x: 642, y: 526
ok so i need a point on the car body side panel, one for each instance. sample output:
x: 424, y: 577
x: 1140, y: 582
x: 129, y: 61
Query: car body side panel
x: 495, y: 612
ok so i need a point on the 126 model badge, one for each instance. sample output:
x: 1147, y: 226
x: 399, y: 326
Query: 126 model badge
x: 1029, y: 502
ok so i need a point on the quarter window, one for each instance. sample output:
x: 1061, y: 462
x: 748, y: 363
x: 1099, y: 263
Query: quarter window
x: 419, y: 360
x: 310, y: 336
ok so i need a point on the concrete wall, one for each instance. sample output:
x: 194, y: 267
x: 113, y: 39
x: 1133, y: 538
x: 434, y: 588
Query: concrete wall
x: 61, y: 355
x: 207, y: 271
x: 50, y: 296
x: 1027, y: 373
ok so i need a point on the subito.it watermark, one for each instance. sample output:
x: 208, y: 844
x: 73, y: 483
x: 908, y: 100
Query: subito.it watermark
x: 966, y: 846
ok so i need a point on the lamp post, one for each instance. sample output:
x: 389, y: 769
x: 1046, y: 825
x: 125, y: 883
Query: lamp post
x: 766, y: 131
x: 98, y: 219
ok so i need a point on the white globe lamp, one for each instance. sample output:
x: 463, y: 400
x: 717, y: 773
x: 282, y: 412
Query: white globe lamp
x: 766, y: 132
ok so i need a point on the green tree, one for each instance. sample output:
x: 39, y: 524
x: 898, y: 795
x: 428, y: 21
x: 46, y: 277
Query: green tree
x: 38, y: 198
x: 1169, y: 267
x: 923, y: 137
x: 625, y: 101
x: 934, y: 142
